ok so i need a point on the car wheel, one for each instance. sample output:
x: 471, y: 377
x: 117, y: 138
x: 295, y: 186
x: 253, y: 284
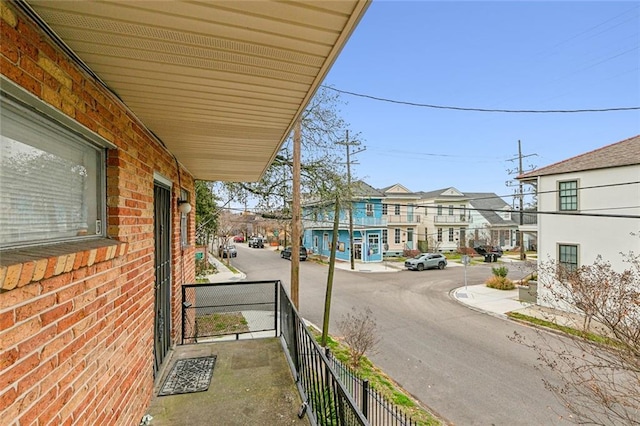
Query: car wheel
x: 420, y: 267
x: 441, y: 265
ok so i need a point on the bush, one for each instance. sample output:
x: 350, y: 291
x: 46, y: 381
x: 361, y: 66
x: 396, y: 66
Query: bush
x: 500, y: 271
x: 500, y: 283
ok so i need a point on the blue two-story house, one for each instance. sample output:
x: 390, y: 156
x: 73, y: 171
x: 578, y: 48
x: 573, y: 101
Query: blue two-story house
x: 368, y: 224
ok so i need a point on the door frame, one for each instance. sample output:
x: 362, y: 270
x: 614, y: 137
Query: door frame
x: 163, y: 276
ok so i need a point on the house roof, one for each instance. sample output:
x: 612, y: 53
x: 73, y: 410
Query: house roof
x: 220, y: 83
x: 623, y: 153
x: 361, y: 189
x: 488, y: 204
x: 445, y: 193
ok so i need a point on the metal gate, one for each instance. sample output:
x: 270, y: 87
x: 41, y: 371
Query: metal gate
x: 162, y: 304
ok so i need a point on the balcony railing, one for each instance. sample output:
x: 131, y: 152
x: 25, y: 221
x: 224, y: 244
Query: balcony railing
x: 358, y: 222
x: 331, y: 395
x: 409, y: 218
x: 459, y: 219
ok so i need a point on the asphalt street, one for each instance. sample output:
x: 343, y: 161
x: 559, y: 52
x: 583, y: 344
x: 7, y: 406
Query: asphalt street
x: 458, y: 362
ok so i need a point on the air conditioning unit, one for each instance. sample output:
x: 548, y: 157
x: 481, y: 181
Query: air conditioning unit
x: 369, y: 213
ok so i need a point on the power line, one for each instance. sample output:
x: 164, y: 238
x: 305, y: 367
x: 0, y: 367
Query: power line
x: 456, y: 108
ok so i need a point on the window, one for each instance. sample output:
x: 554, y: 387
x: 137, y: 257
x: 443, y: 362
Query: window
x: 568, y: 195
x: 568, y: 258
x: 51, y: 180
x: 439, y: 209
x: 451, y: 235
x: 439, y: 235
x: 184, y: 231
x: 396, y: 209
x: 384, y: 237
x: 396, y: 236
x: 369, y: 209
x: 451, y: 210
x: 384, y: 209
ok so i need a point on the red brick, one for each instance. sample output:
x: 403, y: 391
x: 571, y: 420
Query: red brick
x: 8, y: 358
x: 7, y: 319
x: 56, y: 313
x: 54, y: 346
x: 18, y: 370
x: 36, y: 375
x: 26, y: 275
x: 30, y: 343
x: 12, y: 336
x: 34, y: 308
x: 19, y: 295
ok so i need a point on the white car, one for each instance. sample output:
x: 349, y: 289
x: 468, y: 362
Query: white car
x: 426, y: 261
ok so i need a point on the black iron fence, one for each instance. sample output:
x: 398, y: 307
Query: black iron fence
x: 376, y: 407
x: 215, y: 310
x: 327, y: 399
x: 333, y: 395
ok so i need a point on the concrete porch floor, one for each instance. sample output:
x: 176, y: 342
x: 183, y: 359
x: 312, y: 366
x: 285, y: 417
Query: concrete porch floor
x: 252, y: 384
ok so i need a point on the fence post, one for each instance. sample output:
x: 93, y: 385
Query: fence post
x: 365, y: 398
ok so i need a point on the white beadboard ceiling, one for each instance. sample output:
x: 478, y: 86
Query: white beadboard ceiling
x: 219, y: 82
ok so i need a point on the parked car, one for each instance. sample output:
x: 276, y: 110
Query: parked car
x: 256, y: 242
x: 426, y: 261
x: 227, y: 251
x: 238, y: 239
x: 286, y: 253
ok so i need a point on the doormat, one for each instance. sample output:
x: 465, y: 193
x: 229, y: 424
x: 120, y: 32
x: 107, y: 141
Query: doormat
x: 189, y: 375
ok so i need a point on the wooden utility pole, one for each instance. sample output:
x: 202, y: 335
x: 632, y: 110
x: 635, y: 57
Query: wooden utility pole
x: 350, y: 194
x: 520, y: 190
x: 295, y: 218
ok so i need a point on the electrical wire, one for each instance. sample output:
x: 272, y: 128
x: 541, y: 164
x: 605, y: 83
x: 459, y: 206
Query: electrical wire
x: 456, y: 108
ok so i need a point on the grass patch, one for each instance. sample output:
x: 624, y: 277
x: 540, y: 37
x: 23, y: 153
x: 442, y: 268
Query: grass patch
x: 202, y: 280
x: 592, y: 337
x: 221, y: 324
x: 381, y: 383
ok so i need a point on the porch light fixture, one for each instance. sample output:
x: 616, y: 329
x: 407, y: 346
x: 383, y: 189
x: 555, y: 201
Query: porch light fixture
x: 184, y: 206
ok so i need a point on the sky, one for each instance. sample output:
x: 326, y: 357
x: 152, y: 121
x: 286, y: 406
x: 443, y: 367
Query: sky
x: 516, y: 55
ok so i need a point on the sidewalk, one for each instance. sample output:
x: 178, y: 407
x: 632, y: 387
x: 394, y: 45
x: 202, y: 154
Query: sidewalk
x: 224, y: 274
x: 500, y: 302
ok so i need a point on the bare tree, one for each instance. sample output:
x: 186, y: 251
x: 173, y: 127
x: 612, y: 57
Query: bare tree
x: 599, y: 375
x: 359, y: 333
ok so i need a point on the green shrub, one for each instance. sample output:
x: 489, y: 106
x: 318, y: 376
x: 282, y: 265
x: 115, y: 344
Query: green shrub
x: 500, y: 271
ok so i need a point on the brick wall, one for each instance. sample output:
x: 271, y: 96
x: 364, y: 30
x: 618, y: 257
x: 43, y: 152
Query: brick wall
x: 76, y: 320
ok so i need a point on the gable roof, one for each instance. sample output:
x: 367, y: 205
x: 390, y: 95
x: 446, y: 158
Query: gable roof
x: 488, y: 203
x: 396, y: 188
x: 362, y: 189
x: 623, y: 153
x: 444, y: 193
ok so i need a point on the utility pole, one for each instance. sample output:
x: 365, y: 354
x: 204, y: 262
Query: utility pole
x: 295, y: 217
x: 349, y: 194
x: 520, y: 196
x: 521, y: 192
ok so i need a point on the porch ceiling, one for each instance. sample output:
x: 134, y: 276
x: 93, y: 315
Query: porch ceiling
x: 220, y: 83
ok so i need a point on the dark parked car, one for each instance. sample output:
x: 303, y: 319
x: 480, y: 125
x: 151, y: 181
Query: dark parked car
x: 256, y: 242
x: 286, y: 253
x: 426, y: 261
x: 227, y: 251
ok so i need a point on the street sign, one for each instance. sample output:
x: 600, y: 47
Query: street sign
x: 465, y: 260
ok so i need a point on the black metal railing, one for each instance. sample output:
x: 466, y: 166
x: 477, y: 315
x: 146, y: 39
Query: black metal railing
x: 333, y: 395
x: 324, y: 395
x: 221, y: 309
x: 377, y: 409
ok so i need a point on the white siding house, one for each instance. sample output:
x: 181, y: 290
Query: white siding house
x: 589, y: 205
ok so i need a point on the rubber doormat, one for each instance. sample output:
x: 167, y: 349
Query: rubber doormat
x: 189, y: 375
